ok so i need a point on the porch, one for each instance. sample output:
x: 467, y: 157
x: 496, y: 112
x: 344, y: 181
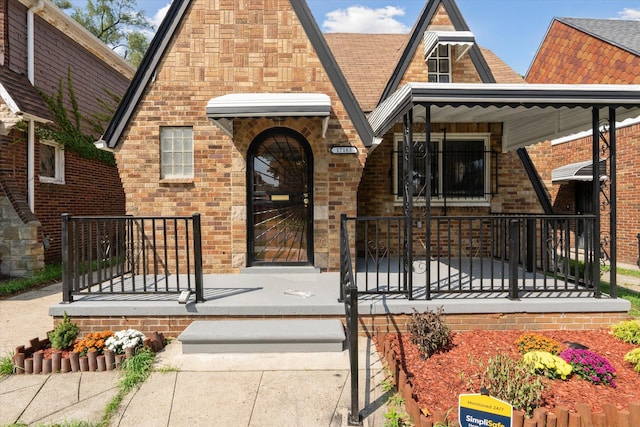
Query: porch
x: 311, y: 294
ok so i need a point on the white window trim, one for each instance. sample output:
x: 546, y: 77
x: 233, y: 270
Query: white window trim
x: 59, y: 165
x: 439, y: 139
x: 182, y: 178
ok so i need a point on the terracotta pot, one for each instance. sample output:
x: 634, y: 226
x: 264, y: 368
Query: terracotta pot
x: 74, y: 361
x: 92, y: 356
x: 18, y: 362
x: 28, y: 365
x: 110, y: 359
x: 119, y: 359
x: 37, y: 361
x: 128, y: 352
x: 65, y: 365
x: 46, y: 366
x: 56, y: 358
x: 101, y: 364
x: 84, y: 364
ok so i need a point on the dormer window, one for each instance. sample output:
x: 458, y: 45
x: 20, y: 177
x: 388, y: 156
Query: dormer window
x: 439, y: 64
x: 441, y: 48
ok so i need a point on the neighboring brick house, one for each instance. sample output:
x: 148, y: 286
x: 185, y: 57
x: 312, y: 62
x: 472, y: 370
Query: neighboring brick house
x: 39, y: 46
x: 592, y: 51
x: 245, y: 109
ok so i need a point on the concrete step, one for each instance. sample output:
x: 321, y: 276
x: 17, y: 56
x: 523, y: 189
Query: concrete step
x: 263, y: 336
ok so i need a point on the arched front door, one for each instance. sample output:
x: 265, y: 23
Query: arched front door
x: 280, y: 199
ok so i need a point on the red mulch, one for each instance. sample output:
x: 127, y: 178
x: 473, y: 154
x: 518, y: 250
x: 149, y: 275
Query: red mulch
x: 439, y: 379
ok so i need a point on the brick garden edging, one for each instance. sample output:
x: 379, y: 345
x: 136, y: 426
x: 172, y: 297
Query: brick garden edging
x: 542, y: 417
x: 31, y: 360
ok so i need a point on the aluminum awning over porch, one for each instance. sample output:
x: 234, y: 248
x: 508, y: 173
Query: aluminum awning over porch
x: 530, y: 113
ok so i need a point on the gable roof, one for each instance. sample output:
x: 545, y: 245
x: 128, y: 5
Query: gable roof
x: 21, y: 97
x: 622, y: 33
x: 367, y: 61
x: 162, y: 39
x: 58, y: 19
x: 415, y: 39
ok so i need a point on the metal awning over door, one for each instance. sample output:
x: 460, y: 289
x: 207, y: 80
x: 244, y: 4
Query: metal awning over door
x: 224, y: 109
x: 579, y: 171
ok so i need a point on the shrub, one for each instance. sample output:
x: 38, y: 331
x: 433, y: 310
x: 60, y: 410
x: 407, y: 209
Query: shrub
x: 627, y: 331
x: 124, y: 339
x: 95, y: 341
x: 536, y: 342
x: 429, y: 332
x: 547, y: 364
x: 64, y: 334
x: 590, y: 366
x: 512, y: 381
x: 633, y: 357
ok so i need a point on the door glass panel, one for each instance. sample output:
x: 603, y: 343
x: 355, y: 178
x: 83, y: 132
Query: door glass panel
x: 280, y: 201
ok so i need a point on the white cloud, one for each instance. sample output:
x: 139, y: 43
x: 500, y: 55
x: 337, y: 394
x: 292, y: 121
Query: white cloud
x: 360, y: 19
x: 630, y: 14
x: 159, y: 16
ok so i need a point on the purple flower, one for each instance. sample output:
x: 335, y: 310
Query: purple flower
x: 589, y: 366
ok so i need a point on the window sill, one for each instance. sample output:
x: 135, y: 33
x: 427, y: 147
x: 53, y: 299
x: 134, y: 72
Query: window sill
x: 46, y: 180
x: 176, y: 181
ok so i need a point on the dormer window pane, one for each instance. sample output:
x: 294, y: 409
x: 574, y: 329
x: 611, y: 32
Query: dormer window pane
x: 439, y: 64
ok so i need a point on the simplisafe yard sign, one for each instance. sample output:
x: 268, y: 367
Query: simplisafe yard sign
x: 479, y: 410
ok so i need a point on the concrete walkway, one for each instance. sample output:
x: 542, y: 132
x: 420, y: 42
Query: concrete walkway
x: 292, y: 389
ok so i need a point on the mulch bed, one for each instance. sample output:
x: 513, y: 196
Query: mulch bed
x: 439, y: 380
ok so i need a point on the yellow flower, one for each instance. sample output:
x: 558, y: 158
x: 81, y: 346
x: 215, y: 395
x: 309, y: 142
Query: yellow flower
x: 547, y: 364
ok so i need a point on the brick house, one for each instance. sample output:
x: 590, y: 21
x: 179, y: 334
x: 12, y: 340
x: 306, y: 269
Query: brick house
x: 250, y: 116
x: 592, y: 51
x: 39, y: 47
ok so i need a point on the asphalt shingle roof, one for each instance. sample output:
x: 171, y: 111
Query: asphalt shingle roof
x: 25, y: 96
x: 367, y: 61
x: 623, y: 33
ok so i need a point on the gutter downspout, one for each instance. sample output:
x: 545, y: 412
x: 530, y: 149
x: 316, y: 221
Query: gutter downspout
x: 31, y: 139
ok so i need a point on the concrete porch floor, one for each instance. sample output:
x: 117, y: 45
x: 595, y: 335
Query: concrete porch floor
x: 278, y: 292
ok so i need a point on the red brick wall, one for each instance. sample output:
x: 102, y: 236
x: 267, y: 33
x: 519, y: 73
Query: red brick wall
x: 547, y: 158
x: 97, y: 193
x: 174, y: 325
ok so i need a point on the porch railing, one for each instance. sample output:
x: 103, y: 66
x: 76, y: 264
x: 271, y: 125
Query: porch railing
x: 512, y: 255
x: 349, y: 296
x: 131, y: 255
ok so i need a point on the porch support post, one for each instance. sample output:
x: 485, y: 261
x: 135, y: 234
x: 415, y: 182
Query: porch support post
x: 427, y: 198
x: 595, y: 147
x: 612, y: 200
x: 407, y: 200
x: 67, y: 296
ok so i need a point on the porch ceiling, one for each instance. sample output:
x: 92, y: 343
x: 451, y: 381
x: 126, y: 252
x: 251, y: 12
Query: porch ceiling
x: 224, y: 109
x: 530, y: 113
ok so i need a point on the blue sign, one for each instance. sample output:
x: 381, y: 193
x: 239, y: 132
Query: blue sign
x: 479, y: 410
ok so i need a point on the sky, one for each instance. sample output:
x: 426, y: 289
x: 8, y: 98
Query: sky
x: 512, y: 29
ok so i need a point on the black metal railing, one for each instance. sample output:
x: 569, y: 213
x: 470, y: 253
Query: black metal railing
x: 349, y: 295
x: 131, y: 255
x: 514, y: 255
